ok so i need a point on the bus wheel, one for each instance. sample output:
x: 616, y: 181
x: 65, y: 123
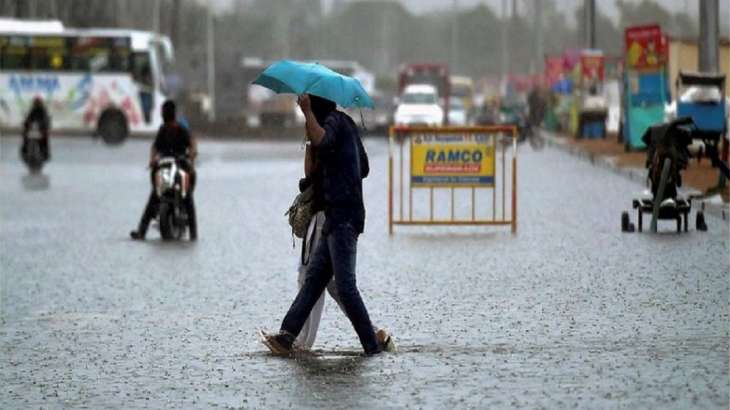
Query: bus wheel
x: 113, y: 127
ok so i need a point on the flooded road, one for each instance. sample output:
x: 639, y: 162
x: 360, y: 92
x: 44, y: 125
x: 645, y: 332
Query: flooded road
x: 569, y: 312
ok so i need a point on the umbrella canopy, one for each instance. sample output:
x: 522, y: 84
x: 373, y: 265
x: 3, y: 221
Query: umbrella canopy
x: 293, y: 77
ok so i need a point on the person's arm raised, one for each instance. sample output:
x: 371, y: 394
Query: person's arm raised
x: 314, y: 131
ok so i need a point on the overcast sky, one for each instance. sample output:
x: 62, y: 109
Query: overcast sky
x: 606, y: 6
x: 568, y: 6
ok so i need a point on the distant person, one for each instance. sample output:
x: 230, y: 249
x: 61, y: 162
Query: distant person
x: 146, y: 90
x: 314, y: 178
x: 172, y: 140
x: 38, y: 117
x: 344, y: 164
x: 537, y: 103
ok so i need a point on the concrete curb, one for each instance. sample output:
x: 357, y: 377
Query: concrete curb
x: 719, y: 210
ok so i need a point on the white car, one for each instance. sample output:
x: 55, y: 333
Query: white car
x: 419, y: 105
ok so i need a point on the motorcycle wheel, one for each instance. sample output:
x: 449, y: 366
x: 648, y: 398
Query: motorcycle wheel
x: 33, y: 158
x: 169, y: 229
x: 536, y: 141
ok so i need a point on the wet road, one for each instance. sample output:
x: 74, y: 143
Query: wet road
x: 568, y: 313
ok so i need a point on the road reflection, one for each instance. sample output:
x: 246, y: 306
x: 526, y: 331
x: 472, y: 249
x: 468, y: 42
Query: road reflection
x: 35, y: 182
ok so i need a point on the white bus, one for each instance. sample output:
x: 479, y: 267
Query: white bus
x: 107, y: 81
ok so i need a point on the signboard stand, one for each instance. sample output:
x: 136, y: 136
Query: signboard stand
x: 447, y: 159
x: 645, y: 84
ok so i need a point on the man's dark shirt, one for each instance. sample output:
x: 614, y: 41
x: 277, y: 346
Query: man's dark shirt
x: 172, y: 140
x: 37, y: 115
x: 344, y: 164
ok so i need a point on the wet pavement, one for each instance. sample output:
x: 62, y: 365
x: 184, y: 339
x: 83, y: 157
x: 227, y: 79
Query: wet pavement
x: 569, y: 312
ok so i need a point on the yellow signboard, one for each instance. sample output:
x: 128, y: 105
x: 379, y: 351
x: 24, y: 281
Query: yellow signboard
x: 452, y: 160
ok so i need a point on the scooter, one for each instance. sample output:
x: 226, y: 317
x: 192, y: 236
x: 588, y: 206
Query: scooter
x: 525, y: 131
x: 172, y: 184
x: 32, y: 154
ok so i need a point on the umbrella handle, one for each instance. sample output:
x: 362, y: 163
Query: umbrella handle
x: 362, y: 121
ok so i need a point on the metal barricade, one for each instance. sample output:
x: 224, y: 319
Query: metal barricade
x: 452, y: 160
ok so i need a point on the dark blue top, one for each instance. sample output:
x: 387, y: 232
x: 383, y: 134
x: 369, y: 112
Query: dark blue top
x: 344, y: 164
x: 172, y: 140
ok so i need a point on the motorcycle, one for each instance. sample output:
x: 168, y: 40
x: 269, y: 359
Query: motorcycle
x: 32, y: 153
x: 172, y: 185
x: 517, y: 116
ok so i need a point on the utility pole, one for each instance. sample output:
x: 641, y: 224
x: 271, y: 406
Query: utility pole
x: 211, y: 65
x: 589, y: 25
x: 21, y: 10
x: 709, y: 36
x: 156, y: 16
x: 454, y: 36
x: 119, y: 13
x: 539, y: 44
x: 174, y: 24
x: 384, y: 40
x: 505, y: 53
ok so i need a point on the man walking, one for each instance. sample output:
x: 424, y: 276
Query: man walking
x: 344, y: 165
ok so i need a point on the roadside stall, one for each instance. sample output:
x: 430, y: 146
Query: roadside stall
x: 645, y: 84
x: 593, y: 108
x: 552, y: 76
x: 701, y: 97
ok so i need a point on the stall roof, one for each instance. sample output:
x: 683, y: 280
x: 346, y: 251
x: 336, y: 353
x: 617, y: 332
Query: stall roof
x: 696, y: 78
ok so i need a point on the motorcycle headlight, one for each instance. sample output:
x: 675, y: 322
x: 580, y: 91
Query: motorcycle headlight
x: 167, y: 178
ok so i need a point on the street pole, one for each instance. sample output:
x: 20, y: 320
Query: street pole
x: 174, y: 23
x: 590, y: 23
x: 384, y: 43
x: 119, y: 13
x: 454, y: 36
x: 505, y: 58
x: 20, y: 8
x: 211, y: 65
x: 156, y: 16
x: 709, y: 36
x: 539, y: 57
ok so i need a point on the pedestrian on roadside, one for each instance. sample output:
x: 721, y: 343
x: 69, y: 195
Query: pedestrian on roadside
x: 313, y: 178
x: 343, y: 164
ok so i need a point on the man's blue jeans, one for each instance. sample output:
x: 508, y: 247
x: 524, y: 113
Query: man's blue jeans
x: 336, y: 254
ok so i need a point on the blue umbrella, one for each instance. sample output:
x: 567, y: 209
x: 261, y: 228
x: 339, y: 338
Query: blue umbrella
x: 293, y: 77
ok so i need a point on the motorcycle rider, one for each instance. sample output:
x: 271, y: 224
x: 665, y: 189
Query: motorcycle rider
x: 174, y: 140
x: 37, y: 115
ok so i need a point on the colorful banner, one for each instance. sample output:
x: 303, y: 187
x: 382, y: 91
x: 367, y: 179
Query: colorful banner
x: 645, y: 47
x: 553, y: 69
x: 592, y: 66
x: 74, y: 100
x: 452, y: 160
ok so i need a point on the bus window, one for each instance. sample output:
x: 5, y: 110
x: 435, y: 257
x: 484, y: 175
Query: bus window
x: 48, y: 53
x: 14, y: 53
x: 100, y: 54
x: 119, y: 58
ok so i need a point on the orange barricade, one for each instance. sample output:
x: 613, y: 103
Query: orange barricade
x: 452, y: 160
